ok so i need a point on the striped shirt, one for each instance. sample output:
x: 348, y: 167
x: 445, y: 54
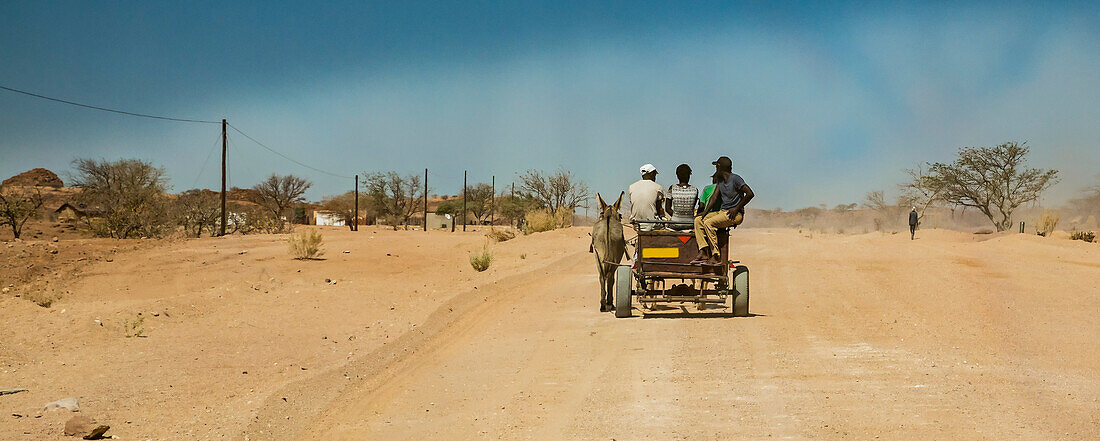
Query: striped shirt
x: 683, y: 202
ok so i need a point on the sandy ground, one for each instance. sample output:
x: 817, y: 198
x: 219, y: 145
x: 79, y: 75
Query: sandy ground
x: 855, y: 337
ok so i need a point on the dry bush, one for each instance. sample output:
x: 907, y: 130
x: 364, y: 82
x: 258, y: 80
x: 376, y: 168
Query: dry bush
x: 306, y: 245
x: 1087, y: 236
x: 501, y: 235
x: 41, y: 297
x: 1047, y: 222
x: 538, y: 221
x: 480, y: 262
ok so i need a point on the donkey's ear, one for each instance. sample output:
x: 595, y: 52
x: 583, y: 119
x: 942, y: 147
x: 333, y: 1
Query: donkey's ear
x: 619, y: 201
x: 602, y: 203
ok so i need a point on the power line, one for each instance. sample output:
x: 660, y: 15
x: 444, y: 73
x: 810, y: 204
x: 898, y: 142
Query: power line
x: 285, y: 156
x: 166, y: 118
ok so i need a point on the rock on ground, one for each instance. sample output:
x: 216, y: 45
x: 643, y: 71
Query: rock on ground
x: 69, y: 404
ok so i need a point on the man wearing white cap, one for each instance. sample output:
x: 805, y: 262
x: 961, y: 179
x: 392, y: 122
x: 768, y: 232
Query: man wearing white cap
x: 646, y: 198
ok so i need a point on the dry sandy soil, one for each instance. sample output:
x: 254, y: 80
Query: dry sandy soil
x: 855, y: 337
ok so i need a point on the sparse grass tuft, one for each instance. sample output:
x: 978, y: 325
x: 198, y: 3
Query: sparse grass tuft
x: 134, y: 327
x: 1087, y: 236
x: 1047, y: 222
x: 480, y: 262
x: 306, y: 245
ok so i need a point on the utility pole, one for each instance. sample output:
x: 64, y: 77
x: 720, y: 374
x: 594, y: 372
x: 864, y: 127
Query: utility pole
x: 356, y: 215
x: 463, y: 200
x: 513, y: 199
x: 493, y: 203
x: 425, y: 199
x: 225, y: 146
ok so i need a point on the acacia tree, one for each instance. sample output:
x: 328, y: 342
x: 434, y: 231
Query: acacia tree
x: 197, y: 210
x: 479, y: 200
x: 17, y: 206
x: 130, y: 194
x: 394, y: 196
x: 993, y: 180
x: 279, y: 193
x: 558, y: 190
x: 515, y: 207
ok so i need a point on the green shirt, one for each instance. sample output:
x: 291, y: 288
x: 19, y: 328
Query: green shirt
x: 705, y: 195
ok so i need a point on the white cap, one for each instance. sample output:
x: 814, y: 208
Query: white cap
x: 647, y: 169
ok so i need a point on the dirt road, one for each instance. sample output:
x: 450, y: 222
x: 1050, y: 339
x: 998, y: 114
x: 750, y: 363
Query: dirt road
x: 856, y: 337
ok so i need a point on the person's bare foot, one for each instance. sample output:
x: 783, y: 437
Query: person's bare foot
x: 701, y: 257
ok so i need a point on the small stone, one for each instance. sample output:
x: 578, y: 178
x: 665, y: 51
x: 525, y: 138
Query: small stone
x: 347, y: 251
x: 155, y: 314
x: 6, y: 289
x: 328, y: 280
x: 69, y: 404
x: 54, y: 239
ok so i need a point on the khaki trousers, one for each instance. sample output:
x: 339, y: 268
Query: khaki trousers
x: 706, y: 228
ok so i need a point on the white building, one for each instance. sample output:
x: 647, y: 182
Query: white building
x: 329, y: 218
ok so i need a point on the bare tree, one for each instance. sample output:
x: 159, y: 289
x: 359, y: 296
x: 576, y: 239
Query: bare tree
x: 479, y: 200
x: 197, y: 210
x: 993, y: 180
x: 279, y: 193
x: 17, y: 206
x: 394, y: 196
x: 920, y: 192
x: 554, y: 191
x: 885, y: 212
x: 344, y: 207
x: 129, y: 192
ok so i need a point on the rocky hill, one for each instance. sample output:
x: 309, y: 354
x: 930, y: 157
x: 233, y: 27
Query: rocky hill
x: 38, y: 177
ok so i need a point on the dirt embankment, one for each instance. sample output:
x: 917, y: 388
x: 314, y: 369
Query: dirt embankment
x: 189, y: 338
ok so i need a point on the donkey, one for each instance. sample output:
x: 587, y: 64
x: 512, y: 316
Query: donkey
x: 610, y: 247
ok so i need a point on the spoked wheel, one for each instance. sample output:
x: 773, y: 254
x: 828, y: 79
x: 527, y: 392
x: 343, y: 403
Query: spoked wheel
x: 739, y: 292
x: 623, y: 279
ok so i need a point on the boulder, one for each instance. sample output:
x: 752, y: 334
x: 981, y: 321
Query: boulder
x: 85, y: 427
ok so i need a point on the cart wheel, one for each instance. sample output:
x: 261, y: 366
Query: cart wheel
x: 739, y: 295
x: 623, y: 278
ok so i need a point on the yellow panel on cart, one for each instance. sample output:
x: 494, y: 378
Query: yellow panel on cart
x: 660, y: 253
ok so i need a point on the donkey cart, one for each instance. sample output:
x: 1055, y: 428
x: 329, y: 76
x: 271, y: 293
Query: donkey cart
x: 662, y: 273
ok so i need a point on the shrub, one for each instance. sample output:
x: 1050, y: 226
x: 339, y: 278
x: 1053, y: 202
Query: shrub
x: 538, y: 221
x: 501, y: 235
x: 480, y: 262
x: 1047, y: 222
x: 306, y: 245
x: 1087, y: 236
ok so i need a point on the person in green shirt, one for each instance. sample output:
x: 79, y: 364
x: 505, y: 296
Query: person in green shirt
x: 705, y: 195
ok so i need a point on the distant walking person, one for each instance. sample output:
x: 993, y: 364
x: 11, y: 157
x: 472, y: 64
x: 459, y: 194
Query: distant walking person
x: 913, y: 224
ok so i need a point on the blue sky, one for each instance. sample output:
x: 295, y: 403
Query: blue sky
x: 816, y: 102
